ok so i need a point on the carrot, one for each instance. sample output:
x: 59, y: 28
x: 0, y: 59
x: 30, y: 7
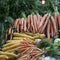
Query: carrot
x: 22, y: 24
x: 24, y: 52
x: 51, y: 29
x: 59, y: 21
x: 43, y: 20
x: 56, y: 20
x: 22, y: 49
x: 45, y: 24
x: 38, y: 21
x: 54, y: 24
x: 37, y: 55
x: 25, y: 27
x: 32, y: 25
x: 35, y: 22
x: 10, y: 32
x: 10, y: 29
x: 28, y: 22
x: 16, y: 22
x: 48, y: 30
x: 25, y: 57
x: 17, y: 27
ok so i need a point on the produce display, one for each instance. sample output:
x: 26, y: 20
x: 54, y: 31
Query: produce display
x: 25, y: 49
x: 32, y: 38
x: 30, y: 30
x: 29, y: 51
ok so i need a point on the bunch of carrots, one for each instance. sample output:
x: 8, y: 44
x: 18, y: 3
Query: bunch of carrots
x: 28, y: 50
x: 47, y: 24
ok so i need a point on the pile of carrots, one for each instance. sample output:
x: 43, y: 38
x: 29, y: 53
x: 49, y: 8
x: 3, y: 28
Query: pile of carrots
x: 47, y: 24
x: 28, y: 50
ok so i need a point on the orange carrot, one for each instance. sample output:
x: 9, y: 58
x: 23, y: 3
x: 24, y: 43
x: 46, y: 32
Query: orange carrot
x: 38, y: 21
x: 25, y: 27
x: 22, y: 24
x: 51, y: 29
x: 45, y: 24
x: 16, y: 22
x: 56, y: 20
x: 48, y: 30
x: 54, y: 24
x: 35, y: 22
x: 32, y: 25
x: 28, y: 22
x: 43, y: 20
x: 59, y: 21
x: 17, y: 27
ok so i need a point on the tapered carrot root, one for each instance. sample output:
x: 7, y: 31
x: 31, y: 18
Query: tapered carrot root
x: 42, y: 21
x: 38, y: 21
x: 22, y: 24
x: 58, y: 21
x: 51, y: 29
x: 16, y: 22
x: 54, y: 24
x: 35, y: 22
x: 28, y: 23
x: 48, y: 30
x: 45, y: 24
x: 38, y: 24
x: 17, y: 27
x: 29, y: 49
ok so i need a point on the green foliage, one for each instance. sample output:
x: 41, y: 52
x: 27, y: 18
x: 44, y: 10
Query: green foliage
x: 51, y: 49
x: 44, y: 43
x: 57, y: 45
x: 53, y: 52
x: 15, y: 8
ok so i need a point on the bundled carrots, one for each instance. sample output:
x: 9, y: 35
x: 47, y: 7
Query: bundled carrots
x: 48, y: 25
x: 28, y: 50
